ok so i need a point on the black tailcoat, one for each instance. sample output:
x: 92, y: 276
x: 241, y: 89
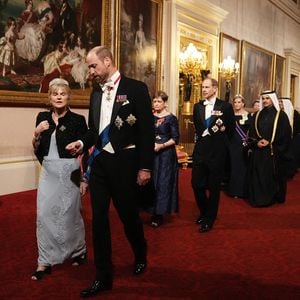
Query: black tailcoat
x: 209, y: 155
x: 114, y: 175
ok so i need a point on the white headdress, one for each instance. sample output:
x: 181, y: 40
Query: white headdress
x: 288, y: 109
x: 273, y: 97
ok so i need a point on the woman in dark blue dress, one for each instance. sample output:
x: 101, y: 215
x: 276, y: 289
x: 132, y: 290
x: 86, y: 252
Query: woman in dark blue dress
x: 238, y: 153
x: 165, y: 171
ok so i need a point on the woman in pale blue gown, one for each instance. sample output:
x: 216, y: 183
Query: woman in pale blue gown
x: 60, y: 228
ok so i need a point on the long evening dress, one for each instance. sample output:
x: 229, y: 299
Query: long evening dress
x: 238, y: 158
x: 60, y: 227
x: 165, y: 172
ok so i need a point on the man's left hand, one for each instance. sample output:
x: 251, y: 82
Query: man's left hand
x: 143, y: 177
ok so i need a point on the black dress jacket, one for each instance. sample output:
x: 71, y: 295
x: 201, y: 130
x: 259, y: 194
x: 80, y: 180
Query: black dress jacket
x: 70, y: 128
x: 131, y: 121
x: 222, y: 124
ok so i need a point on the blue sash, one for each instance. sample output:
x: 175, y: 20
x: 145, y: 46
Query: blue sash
x: 207, y: 122
x: 103, y: 140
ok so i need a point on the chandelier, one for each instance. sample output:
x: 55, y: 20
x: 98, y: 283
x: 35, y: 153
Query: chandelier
x: 192, y: 61
x: 228, y: 68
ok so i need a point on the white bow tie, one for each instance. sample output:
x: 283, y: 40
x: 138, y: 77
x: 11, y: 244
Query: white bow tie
x: 206, y: 102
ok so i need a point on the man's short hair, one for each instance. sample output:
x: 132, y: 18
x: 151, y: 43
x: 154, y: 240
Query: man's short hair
x: 213, y: 81
x: 102, y: 52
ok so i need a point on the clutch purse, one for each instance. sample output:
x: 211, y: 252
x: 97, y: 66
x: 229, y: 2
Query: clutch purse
x: 75, y: 177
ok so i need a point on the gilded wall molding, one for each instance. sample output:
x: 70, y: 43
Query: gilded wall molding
x: 189, y: 32
x: 106, y: 30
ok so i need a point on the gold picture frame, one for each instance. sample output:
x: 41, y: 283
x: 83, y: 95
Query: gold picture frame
x: 229, y: 46
x: 138, y: 29
x: 256, y: 71
x: 11, y: 98
x: 279, y: 72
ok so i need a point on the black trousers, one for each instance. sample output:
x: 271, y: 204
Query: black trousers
x: 206, y: 183
x: 113, y: 177
x: 281, y: 190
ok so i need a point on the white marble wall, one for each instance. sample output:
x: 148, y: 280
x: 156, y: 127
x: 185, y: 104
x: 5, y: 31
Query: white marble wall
x: 261, y: 23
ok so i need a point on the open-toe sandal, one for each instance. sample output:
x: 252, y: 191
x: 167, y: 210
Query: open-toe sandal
x: 38, y: 275
x: 79, y: 260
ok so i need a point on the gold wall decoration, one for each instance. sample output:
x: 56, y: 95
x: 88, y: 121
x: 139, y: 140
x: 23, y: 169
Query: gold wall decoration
x: 193, y: 59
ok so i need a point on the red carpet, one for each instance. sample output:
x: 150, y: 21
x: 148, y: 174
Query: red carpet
x: 252, y: 253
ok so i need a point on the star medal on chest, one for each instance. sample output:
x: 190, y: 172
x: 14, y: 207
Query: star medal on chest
x: 219, y: 122
x: 119, y: 122
x: 131, y: 119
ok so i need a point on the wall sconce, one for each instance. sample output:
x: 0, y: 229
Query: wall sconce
x: 228, y: 69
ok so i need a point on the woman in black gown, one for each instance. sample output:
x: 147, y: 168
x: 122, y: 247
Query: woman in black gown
x: 238, y: 153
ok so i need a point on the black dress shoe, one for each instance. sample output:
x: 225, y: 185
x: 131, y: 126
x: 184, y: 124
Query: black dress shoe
x: 95, y: 288
x: 139, y: 268
x: 156, y: 220
x: 199, y: 220
x: 205, y: 227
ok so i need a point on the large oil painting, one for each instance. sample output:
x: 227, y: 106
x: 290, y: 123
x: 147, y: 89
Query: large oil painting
x: 257, y: 72
x: 229, y: 46
x: 41, y: 40
x: 279, y: 74
x: 138, y: 42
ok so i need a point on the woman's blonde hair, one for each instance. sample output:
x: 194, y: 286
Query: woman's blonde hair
x: 56, y: 83
x: 239, y: 96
